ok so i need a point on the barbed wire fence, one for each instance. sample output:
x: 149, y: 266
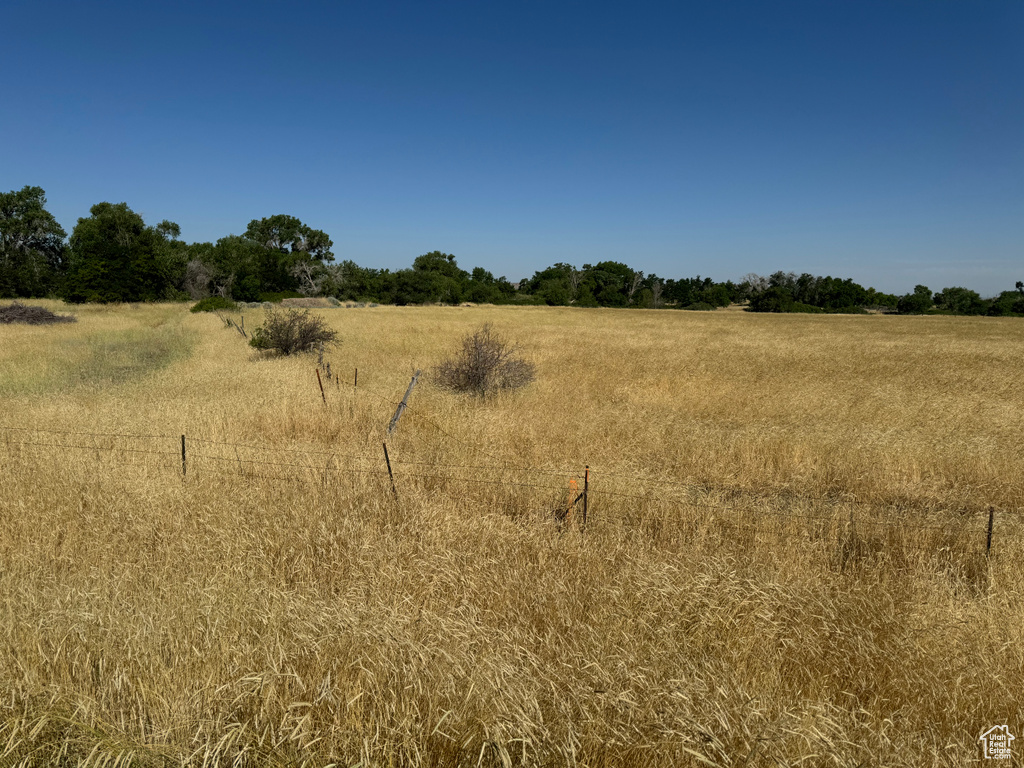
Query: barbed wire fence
x: 571, y: 499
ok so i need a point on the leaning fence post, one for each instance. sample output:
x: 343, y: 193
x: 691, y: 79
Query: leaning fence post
x: 387, y: 460
x: 184, y: 466
x: 402, y: 405
x: 991, y: 520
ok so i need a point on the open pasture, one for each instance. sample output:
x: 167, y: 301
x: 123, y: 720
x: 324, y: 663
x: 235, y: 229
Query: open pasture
x: 784, y: 560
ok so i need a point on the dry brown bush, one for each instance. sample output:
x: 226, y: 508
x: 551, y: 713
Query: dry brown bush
x: 292, y: 331
x: 486, y: 362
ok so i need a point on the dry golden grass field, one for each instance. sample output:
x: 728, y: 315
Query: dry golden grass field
x: 784, y: 560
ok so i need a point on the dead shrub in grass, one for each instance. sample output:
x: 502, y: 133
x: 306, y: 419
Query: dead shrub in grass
x: 16, y: 312
x: 486, y: 362
x: 292, y: 331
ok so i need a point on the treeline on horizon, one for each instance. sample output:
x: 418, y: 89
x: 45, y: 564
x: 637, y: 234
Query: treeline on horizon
x: 114, y: 256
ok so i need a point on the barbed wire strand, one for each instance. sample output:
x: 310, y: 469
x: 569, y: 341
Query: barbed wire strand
x: 92, y: 448
x: 92, y: 434
x: 648, y: 495
x: 646, y: 479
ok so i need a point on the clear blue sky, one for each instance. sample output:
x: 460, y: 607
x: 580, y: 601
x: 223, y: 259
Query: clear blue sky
x: 882, y: 141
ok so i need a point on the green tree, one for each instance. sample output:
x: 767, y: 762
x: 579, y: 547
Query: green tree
x: 168, y: 230
x: 114, y: 256
x: 434, y: 277
x: 243, y: 268
x: 348, y: 280
x: 554, y: 293
x: 483, y: 288
x: 289, y: 234
x: 691, y: 290
x: 32, y: 251
x: 543, y: 283
x: 1006, y: 303
x: 717, y: 295
x: 873, y: 298
x: 915, y: 303
x: 610, y: 282
x: 586, y: 297
x: 963, y: 301
x: 175, y: 257
x: 299, y: 254
x: 775, y: 299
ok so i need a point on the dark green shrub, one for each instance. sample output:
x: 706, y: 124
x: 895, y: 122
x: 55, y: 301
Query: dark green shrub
x: 699, y: 306
x: 292, y: 331
x: 213, y: 303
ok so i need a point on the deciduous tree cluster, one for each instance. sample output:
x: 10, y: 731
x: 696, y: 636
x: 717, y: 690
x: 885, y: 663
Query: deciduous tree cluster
x: 113, y: 255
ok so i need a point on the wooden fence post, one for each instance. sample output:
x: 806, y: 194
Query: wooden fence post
x: 586, y: 488
x: 184, y: 466
x: 402, y: 405
x: 387, y: 460
x: 991, y: 520
x: 321, y: 383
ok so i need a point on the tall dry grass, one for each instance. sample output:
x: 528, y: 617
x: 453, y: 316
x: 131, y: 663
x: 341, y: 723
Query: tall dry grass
x: 783, y: 564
